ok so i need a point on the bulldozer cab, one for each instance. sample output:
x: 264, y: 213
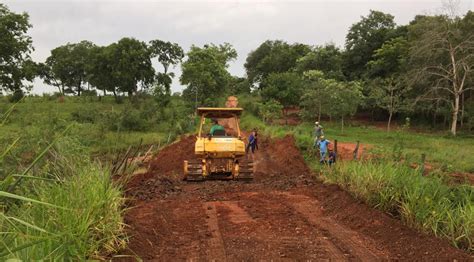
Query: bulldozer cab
x: 228, y: 118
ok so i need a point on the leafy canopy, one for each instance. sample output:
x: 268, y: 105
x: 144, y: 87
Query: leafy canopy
x: 15, y: 48
x: 205, y: 72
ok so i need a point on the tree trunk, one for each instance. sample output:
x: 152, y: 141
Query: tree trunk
x: 342, y: 124
x: 115, y: 96
x: 462, y: 110
x: 455, y: 114
x: 434, y: 114
x: 319, y: 112
x: 389, y: 120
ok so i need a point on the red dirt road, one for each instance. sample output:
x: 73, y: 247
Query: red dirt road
x: 284, y: 214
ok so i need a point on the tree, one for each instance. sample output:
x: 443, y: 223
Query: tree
x: 442, y: 56
x: 286, y: 88
x: 16, y: 65
x: 100, y: 69
x: 132, y: 65
x: 65, y: 68
x: 391, y: 94
x: 168, y: 54
x: 389, y: 91
x: 330, y: 97
x: 239, y: 85
x: 272, y: 57
x: 363, y: 38
x: 313, y: 102
x: 205, y: 72
x: 343, y: 98
x: 270, y: 110
x: 327, y: 59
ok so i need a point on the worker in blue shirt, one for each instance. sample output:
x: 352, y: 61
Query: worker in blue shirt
x: 323, y: 144
x: 252, y: 142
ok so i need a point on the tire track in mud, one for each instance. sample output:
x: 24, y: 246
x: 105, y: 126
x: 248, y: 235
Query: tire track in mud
x: 346, y: 239
x: 272, y: 234
x: 284, y: 214
x: 216, y: 244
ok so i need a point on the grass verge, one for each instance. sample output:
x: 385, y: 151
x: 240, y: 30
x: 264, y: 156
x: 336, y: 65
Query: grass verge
x: 424, y: 203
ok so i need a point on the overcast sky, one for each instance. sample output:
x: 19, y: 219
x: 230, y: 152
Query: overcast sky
x: 244, y: 24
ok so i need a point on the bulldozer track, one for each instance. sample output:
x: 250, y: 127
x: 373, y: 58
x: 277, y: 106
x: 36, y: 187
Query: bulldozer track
x: 284, y: 214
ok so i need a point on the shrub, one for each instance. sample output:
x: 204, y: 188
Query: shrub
x: 131, y: 120
x: 270, y: 110
x: 85, y: 115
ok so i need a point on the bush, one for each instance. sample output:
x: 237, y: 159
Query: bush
x: 85, y: 115
x: 132, y: 120
x: 270, y: 110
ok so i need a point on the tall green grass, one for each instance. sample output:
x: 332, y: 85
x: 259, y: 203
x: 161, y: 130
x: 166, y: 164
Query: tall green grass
x: 424, y: 203
x: 68, y: 209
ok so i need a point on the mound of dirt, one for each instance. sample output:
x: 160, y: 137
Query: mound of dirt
x: 164, y: 172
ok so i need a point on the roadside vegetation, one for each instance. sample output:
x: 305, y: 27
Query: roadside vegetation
x: 58, y: 198
x: 424, y: 203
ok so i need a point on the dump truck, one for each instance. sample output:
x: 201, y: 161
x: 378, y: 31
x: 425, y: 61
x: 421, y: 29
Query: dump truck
x: 220, y: 155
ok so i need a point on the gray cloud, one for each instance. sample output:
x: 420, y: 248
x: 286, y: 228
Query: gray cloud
x: 244, y: 24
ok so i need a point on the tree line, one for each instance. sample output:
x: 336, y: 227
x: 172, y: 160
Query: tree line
x: 422, y: 69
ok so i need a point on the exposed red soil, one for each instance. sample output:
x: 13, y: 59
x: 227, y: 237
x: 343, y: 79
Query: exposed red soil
x: 345, y: 150
x: 284, y: 214
x: 463, y: 178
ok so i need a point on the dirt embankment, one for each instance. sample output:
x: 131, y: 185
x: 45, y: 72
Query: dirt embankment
x: 283, y: 214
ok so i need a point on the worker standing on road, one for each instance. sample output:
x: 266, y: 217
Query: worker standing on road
x: 318, y: 132
x: 252, y: 142
x: 323, y: 144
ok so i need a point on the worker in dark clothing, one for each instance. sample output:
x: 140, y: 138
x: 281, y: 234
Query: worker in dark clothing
x: 331, y: 157
x: 252, y: 142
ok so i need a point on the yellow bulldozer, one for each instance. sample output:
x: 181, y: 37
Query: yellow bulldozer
x: 220, y: 154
